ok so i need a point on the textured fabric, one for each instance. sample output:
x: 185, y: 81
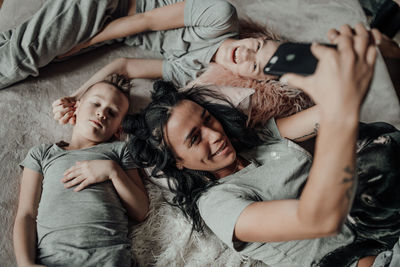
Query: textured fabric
x: 188, y: 50
x: 86, y: 228
x: 56, y: 28
x: 389, y: 258
x: 279, y: 171
x: 375, y: 214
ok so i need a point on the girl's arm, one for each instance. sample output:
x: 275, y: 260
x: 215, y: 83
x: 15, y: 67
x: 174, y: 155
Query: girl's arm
x: 129, y: 67
x: 163, y: 18
x: 338, y: 87
x: 300, y: 126
x: 128, y: 184
x: 159, y: 19
x: 25, y: 235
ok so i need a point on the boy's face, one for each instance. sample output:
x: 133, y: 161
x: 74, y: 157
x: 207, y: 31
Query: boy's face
x: 100, y: 112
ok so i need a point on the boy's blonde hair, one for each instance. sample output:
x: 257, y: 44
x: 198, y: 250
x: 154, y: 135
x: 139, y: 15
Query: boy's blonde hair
x: 119, y: 81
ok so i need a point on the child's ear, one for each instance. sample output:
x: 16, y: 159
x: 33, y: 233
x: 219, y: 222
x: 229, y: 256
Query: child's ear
x: 118, y: 133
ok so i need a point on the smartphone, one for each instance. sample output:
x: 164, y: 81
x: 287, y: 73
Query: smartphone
x: 292, y: 57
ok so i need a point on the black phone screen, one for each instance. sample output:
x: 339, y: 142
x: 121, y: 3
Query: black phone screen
x: 294, y: 58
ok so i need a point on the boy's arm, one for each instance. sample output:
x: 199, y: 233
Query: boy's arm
x: 128, y: 184
x: 25, y: 235
x: 131, y: 191
x: 159, y: 19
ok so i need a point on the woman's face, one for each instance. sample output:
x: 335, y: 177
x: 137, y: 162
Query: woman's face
x: 246, y: 57
x: 198, y: 139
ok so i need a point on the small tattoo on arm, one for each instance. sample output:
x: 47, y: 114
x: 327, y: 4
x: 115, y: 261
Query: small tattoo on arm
x: 313, y: 133
x: 350, y: 179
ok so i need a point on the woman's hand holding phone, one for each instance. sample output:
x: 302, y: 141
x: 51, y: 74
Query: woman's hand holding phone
x: 343, y: 75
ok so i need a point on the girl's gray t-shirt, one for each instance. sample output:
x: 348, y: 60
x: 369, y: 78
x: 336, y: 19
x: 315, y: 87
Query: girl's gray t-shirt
x: 86, y: 228
x: 277, y: 171
x: 187, y: 51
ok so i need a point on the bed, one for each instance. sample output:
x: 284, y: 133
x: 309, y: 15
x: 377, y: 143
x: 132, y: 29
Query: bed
x: 165, y: 238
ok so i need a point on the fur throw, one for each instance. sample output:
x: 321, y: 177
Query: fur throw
x: 271, y: 97
x: 166, y: 236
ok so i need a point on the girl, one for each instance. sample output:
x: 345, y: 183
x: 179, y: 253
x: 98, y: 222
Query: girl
x: 189, y: 34
x: 73, y: 214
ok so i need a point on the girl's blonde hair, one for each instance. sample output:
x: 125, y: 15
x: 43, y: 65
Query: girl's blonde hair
x: 249, y: 28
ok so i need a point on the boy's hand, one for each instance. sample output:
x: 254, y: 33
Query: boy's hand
x: 85, y: 173
x: 64, y: 110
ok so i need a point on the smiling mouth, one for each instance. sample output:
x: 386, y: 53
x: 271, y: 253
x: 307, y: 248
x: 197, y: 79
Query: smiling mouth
x: 235, y: 55
x: 220, y: 149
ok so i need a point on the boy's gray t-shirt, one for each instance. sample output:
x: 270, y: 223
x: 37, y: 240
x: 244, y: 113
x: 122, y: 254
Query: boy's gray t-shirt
x: 187, y: 51
x: 86, y: 228
x: 277, y: 171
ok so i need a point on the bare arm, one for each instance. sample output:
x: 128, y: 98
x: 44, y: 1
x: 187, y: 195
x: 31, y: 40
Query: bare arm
x: 325, y: 200
x: 163, y: 18
x: 128, y: 184
x: 338, y: 87
x: 25, y: 235
x: 300, y: 126
x: 131, y: 191
x: 130, y: 67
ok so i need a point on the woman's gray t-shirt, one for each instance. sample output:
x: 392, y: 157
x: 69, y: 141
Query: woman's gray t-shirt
x: 277, y: 171
x: 86, y: 228
x: 187, y: 51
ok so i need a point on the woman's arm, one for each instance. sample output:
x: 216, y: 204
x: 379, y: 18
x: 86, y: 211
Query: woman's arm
x: 25, y: 235
x: 129, y: 67
x: 338, y: 87
x: 163, y: 18
x: 325, y: 200
x: 128, y: 184
x: 300, y: 126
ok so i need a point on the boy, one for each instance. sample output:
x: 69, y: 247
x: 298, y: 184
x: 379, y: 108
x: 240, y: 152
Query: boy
x: 60, y: 224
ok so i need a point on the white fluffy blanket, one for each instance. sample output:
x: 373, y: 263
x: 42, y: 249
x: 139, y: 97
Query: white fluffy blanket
x: 164, y: 239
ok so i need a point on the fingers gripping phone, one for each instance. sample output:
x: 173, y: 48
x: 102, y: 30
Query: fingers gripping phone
x: 292, y: 57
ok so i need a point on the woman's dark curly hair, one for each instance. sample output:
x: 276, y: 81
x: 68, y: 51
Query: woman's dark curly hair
x: 149, y: 148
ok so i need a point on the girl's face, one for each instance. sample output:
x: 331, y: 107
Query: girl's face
x: 246, y: 57
x: 100, y: 112
x: 198, y: 140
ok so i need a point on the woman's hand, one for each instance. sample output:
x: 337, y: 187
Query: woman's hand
x: 388, y: 47
x: 64, y: 110
x: 85, y: 173
x: 343, y: 75
x: 75, y: 49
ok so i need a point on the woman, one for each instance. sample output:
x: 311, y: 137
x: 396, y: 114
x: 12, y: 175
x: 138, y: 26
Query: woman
x: 262, y: 194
